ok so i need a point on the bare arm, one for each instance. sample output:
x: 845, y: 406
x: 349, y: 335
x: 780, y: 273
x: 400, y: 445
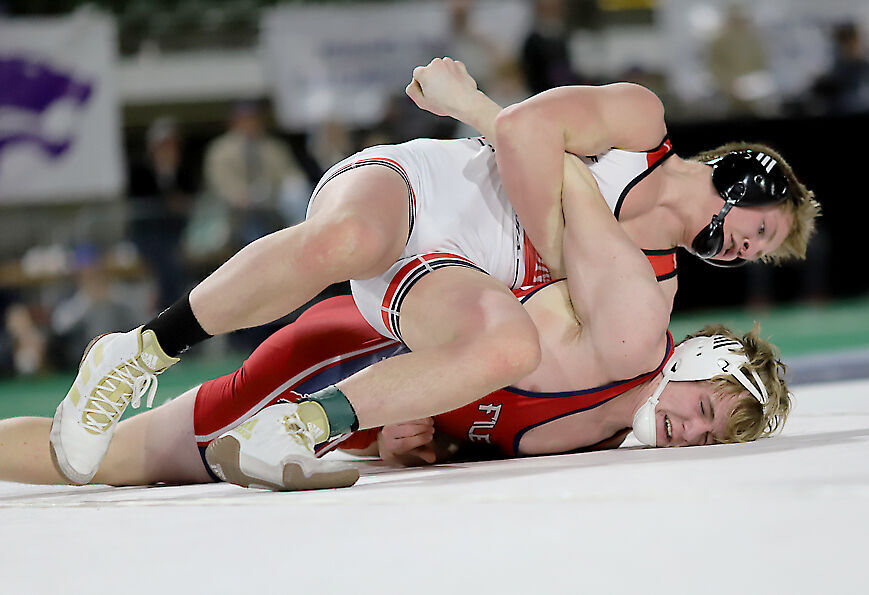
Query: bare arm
x: 611, y: 283
x: 445, y: 88
x: 532, y: 137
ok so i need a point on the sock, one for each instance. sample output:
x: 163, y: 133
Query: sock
x: 338, y: 415
x: 176, y: 328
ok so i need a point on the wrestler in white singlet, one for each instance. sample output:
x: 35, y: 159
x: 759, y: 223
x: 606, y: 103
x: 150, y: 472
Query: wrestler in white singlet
x: 459, y: 215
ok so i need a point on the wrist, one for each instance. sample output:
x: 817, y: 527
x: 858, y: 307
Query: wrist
x: 479, y: 112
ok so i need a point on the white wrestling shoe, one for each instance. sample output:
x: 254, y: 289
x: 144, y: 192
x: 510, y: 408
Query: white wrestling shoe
x: 275, y: 450
x: 116, y: 369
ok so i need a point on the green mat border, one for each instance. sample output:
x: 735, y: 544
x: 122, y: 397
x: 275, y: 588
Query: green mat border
x: 798, y: 330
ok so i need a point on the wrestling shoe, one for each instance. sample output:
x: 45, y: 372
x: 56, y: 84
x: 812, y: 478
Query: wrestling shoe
x: 274, y: 449
x: 116, y: 370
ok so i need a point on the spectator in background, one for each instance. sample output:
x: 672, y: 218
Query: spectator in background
x: 94, y: 309
x: 162, y: 189
x: 545, y: 53
x: 737, y: 61
x: 246, y: 169
x: 479, y: 52
x: 24, y: 342
x: 845, y: 88
x: 501, y: 79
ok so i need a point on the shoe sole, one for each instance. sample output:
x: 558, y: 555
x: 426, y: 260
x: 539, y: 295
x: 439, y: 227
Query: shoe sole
x: 63, y: 467
x: 223, y: 456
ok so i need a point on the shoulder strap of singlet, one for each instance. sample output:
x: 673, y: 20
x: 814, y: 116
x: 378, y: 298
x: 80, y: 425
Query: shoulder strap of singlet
x: 663, y: 262
x: 654, y: 158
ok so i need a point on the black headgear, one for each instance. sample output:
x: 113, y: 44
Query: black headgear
x: 744, y: 178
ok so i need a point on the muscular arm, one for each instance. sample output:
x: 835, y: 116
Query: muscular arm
x: 532, y: 137
x: 612, y: 285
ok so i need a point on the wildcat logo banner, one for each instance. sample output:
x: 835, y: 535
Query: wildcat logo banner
x: 59, y: 115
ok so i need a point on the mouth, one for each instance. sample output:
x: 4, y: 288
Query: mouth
x: 668, y: 428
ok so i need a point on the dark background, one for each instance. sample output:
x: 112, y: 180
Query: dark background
x: 825, y: 154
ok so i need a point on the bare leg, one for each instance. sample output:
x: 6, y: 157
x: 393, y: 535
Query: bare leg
x: 24, y: 455
x: 357, y: 230
x: 470, y: 336
x: 154, y: 446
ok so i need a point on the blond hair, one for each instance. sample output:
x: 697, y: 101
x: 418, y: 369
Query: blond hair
x: 750, y: 420
x: 800, y: 203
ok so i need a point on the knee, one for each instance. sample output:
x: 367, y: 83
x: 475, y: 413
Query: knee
x: 508, y: 355
x: 345, y: 246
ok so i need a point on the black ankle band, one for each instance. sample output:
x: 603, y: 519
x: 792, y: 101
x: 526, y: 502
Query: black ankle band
x: 176, y: 328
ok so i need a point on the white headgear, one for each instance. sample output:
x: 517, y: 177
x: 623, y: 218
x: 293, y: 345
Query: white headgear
x: 700, y: 358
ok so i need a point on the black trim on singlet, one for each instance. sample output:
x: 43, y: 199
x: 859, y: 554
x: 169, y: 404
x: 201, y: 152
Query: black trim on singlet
x: 659, y: 252
x: 411, y: 212
x: 518, y: 438
x: 664, y: 252
x: 411, y: 279
x: 642, y: 176
x: 207, y: 466
x: 483, y: 142
x: 585, y: 391
x: 660, y: 144
x: 666, y: 276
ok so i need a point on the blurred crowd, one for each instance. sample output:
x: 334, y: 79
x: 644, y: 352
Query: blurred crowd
x: 188, y: 210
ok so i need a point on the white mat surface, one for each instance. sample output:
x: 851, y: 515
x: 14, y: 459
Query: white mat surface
x: 787, y: 515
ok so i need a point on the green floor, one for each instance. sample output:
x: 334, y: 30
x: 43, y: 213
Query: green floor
x: 797, y: 330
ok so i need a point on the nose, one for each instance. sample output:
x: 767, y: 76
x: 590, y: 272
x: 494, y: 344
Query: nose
x: 694, y: 431
x: 749, y: 249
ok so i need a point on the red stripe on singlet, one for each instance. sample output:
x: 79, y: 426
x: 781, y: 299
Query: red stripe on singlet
x: 400, y: 278
x: 536, y: 271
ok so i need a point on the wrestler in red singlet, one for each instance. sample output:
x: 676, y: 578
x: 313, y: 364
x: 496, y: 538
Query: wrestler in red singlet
x: 332, y: 341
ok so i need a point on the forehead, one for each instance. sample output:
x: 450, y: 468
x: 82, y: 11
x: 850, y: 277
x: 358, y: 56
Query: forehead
x: 725, y: 403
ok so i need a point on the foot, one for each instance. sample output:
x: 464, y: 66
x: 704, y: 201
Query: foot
x: 116, y: 370
x: 274, y: 449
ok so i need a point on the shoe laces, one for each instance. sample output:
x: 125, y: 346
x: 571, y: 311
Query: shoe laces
x: 298, y: 431
x: 104, y: 408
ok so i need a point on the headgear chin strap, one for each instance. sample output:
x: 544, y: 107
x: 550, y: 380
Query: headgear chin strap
x: 744, y: 178
x: 700, y: 358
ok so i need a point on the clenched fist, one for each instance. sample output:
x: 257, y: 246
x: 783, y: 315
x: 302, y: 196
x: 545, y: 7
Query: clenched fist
x: 444, y: 87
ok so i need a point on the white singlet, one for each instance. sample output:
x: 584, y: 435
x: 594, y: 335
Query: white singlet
x: 459, y: 215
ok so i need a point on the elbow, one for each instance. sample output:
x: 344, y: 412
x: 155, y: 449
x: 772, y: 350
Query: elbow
x: 510, y: 120
x: 518, y: 120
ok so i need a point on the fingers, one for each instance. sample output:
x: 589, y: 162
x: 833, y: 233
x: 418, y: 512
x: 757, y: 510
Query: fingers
x: 409, y: 429
x: 421, y: 71
x: 425, y: 452
x: 412, y: 438
x: 414, y: 91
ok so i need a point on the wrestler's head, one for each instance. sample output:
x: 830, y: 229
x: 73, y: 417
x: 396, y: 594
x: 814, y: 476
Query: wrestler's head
x: 771, y: 232
x: 745, y: 396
